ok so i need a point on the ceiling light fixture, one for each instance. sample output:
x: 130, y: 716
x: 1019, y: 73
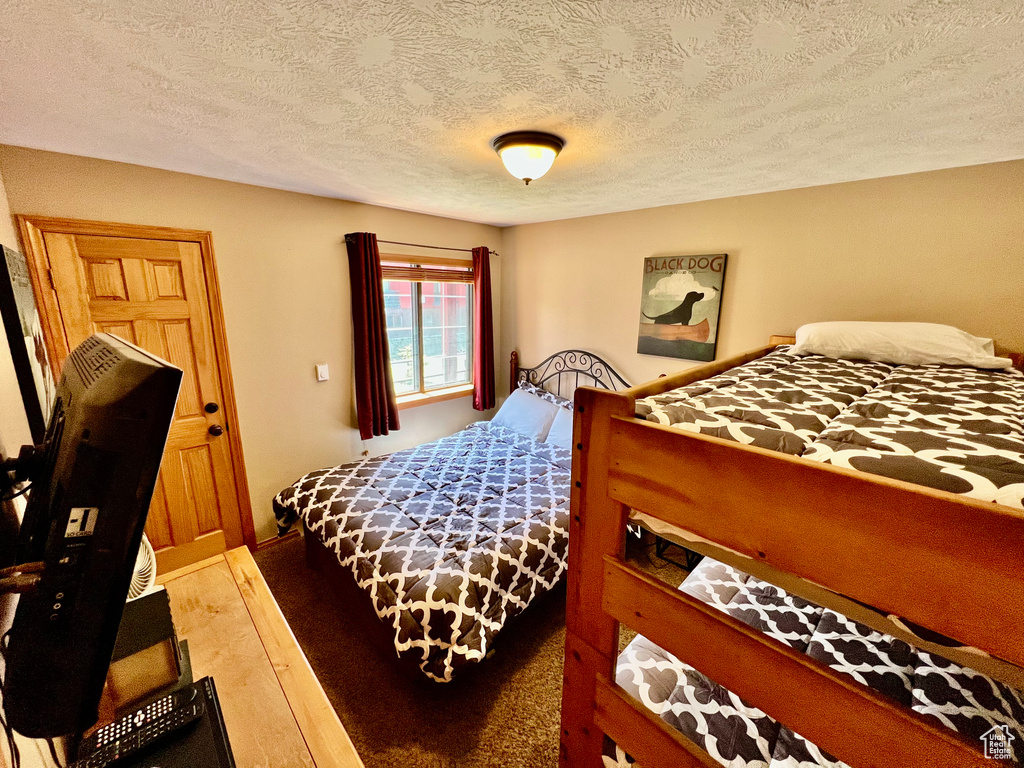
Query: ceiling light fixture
x: 527, y: 155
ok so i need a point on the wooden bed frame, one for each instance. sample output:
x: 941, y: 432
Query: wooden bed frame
x: 942, y: 561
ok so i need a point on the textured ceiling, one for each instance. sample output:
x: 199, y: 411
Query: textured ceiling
x: 395, y: 102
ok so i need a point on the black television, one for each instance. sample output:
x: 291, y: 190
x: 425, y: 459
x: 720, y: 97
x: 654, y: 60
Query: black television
x: 86, y: 511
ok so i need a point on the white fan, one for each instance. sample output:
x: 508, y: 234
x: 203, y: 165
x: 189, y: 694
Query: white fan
x: 144, y: 577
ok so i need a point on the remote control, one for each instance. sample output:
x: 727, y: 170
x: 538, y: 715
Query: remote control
x: 138, y: 730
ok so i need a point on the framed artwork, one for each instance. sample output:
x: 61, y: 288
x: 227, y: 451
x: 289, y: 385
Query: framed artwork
x: 680, y: 306
x: 25, y: 337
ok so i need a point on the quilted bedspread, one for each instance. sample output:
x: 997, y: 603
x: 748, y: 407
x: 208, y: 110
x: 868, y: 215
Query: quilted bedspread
x: 954, y: 428
x: 741, y: 736
x: 449, y: 539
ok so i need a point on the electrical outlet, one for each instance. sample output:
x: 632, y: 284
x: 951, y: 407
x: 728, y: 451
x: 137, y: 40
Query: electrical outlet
x: 322, y: 374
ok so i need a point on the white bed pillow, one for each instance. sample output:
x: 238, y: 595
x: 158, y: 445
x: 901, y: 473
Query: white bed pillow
x: 560, y: 433
x: 526, y: 414
x: 900, y: 343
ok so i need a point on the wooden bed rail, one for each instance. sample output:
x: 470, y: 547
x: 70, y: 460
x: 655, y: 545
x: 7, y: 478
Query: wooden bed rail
x: 943, y: 561
x: 690, y: 375
x: 827, y: 707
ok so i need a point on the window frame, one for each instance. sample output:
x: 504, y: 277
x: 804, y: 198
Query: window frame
x: 432, y: 269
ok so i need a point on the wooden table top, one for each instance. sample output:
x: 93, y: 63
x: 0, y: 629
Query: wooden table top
x: 275, y: 710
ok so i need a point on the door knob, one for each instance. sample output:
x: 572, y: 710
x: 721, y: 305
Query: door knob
x: 211, y: 407
x: 216, y: 430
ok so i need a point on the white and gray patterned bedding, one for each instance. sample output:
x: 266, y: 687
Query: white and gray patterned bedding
x: 954, y: 428
x: 741, y: 736
x: 449, y: 539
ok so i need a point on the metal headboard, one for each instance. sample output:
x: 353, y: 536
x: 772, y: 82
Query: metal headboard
x: 564, y: 371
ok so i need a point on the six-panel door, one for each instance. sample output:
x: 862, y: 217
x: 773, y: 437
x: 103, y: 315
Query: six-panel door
x: 153, y: 293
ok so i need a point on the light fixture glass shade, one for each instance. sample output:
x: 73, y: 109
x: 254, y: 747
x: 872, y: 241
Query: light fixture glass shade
x: 527, y: 162
x: 527, y: 155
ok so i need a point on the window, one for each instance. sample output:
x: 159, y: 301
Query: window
x: 429, y: 305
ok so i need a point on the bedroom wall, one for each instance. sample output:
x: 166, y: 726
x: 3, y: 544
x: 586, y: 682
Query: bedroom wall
x: 942, y: 247
x: 283, y: 274
x: 8, y: 232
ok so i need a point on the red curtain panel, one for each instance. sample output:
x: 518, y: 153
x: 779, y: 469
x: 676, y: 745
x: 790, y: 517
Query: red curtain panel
x: 483, y: 332
x: 376, y: 407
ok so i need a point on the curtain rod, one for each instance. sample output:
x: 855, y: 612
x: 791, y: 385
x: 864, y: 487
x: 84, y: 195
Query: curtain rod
x: 419, y: 245
x: 435, y: 247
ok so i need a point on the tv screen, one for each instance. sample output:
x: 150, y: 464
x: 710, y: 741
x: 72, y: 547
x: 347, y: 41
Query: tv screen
x: 84, y: 520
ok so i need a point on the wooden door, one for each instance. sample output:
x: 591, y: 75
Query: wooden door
x: 156, y: 288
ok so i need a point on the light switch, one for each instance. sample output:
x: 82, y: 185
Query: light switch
x: 322, y: 374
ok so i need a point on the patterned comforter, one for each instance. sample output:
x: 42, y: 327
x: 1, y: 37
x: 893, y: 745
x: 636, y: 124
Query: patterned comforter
x: 449, y: 539
x: 957, y: 429
x: 739, y: 735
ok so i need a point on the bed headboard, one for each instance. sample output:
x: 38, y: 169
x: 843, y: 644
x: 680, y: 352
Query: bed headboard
x: 564, y: 371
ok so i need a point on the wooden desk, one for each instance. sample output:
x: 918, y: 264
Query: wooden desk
x: 275, y: 710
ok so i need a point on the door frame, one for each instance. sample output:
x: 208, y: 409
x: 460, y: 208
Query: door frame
x: 32, y: 229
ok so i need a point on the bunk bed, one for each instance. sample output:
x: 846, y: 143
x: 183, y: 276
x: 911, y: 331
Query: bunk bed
x: 941, y: 571
x: 434, y: 549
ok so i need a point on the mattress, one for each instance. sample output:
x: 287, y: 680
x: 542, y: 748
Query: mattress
x: 953, y: 428
x: 449, y: 540
x: 739, y: 735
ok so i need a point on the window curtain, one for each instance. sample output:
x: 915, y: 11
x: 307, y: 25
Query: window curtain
x: 483, y: 332
x: 376, y: 407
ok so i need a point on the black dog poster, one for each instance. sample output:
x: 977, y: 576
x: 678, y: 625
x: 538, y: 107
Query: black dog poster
x: 680, y: 306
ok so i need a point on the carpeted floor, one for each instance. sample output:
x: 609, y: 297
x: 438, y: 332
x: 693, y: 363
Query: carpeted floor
x: 505, y: 712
